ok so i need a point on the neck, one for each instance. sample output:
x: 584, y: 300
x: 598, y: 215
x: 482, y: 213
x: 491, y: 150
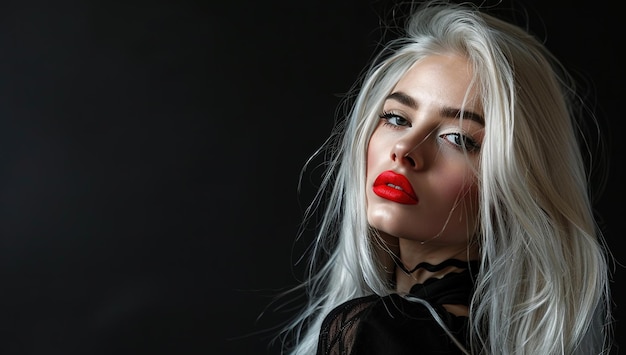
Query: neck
x: 418, y: 262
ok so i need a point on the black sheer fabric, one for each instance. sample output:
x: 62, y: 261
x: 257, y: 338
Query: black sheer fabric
x: 394, y: 325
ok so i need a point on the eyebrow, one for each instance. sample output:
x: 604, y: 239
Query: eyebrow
x: 445, y: 111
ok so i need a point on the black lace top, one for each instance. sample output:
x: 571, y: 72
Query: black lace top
x: 394, y: 325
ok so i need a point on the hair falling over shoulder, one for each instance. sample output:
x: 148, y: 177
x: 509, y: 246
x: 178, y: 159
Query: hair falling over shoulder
x: 543, y: 281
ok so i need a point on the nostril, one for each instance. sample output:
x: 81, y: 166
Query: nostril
x: 410, y: 160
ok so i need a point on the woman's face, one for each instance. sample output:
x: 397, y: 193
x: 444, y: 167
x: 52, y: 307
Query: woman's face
x: 421, y: 183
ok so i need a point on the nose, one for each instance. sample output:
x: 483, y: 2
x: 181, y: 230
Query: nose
x: 411, y: 152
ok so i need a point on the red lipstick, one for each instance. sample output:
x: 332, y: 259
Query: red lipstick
x: 394, y: 187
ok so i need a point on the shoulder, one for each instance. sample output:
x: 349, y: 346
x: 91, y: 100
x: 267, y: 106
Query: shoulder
x: 347, y: 314
x: 340, y: 326
x: 379, y: 324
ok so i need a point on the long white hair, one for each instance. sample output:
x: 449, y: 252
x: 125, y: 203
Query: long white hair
x: 543, y: 282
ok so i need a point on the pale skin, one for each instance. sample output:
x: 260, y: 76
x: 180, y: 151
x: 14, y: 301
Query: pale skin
x: 419, y: 137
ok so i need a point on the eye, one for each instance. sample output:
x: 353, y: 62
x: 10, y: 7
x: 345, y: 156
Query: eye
x: 394, y: 119
x: 461, y: 141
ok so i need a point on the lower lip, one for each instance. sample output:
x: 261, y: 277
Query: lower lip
x: 393, y: 194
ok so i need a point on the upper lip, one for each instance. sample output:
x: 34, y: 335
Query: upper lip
x: 399, y: 180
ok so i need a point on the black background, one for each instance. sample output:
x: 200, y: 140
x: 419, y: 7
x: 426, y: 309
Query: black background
x: 150, y: 157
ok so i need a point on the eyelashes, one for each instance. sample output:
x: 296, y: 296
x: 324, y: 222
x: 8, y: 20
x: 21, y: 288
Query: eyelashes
x: 459, y: 140
x: 392, y: 119
x: 463, y: 141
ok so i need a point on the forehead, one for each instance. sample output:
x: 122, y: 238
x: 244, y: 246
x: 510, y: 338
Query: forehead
x: 444, y: 79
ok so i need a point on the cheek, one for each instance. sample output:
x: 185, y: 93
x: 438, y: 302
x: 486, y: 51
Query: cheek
x: 459, y: 187
x: 376, y: 151
x: 468, y: 204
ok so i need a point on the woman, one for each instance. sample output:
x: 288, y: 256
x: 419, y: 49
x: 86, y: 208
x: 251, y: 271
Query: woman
x: 456, y: 210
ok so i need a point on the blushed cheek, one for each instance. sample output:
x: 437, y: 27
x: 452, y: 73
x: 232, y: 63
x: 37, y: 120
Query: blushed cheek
x: 461, y: 192
x: 371, y: 158
x: 468, y: 203
x: 455, y: 183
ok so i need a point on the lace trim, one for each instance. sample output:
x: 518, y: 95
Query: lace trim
x: 432, y: 268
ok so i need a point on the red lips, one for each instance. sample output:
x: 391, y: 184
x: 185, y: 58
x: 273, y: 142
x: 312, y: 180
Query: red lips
x: 395, y: 187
